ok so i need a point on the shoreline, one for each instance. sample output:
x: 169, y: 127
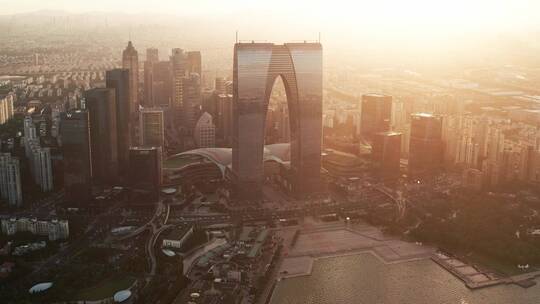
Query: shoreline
x: 388, y: 251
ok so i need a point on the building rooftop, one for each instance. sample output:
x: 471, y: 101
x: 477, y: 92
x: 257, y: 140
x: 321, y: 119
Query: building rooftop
x: 375, y: 95
x: 178, y: 232
x: 222, y: 157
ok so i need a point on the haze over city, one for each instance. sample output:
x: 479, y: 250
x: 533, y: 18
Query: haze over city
x: 272, y: 152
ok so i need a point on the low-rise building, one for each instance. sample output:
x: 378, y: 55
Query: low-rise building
x: 54, y: 229
x: 177, y: 237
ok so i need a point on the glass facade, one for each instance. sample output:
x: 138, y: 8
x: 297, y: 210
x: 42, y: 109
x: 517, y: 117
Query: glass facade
x: 426, y: 146
x: 256, y: 67
x: 376, y: 114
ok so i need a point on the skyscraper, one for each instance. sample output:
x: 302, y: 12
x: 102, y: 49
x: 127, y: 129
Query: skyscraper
x: 256, y: 67
x: 194, y: 63
x: 42, y: 164
x: 39, y: 158
x: 103, y: 134
x: 130, y: 61
x: 224, y: 119
x: 376, y: 114
x: 191, y: 97
x: 162, y: 85
x: 387, y: 153
x: 205, y: 132
x: 76, y: 148
x: 151, y: 126
x: 152, y: 57
x: 178, y: 67
x: 10, y: 180
x: 219, y: 85
x: 145, y: 172
x: 118, y: 79
x: 426, y: 146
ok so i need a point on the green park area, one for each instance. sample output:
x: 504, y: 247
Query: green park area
x: 484, y: 230
x: 105, y: 289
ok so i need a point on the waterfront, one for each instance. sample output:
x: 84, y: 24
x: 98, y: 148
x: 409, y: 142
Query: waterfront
x: 363, y: 278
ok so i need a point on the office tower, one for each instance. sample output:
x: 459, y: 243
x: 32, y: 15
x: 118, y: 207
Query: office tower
x: 130, y: 61
x: 118, y: 79
x: 152, y: 57
x: 220, y: 85
x: 101, y: 106
x: 151, y: 126
x: 194, y: 64
x: 386, y: 153
x: 162, y: 85
x: 145, y: 172
x: 376, y: 114
x: 191, y: 97
x: 256, y: 66
x: 224, y: 119
x: 425, y: 147
x: 10, y: 180
x: 76, y: 148
x: 178, y: 67
x: 204, y: 132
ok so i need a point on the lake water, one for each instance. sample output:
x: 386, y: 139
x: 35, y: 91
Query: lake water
x: 364, y: 279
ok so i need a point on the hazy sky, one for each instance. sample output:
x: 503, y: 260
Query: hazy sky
x: 457, y: 12
x: 400, y: 26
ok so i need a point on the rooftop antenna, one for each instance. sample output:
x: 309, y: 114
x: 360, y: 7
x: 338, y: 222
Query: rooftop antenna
x: 236, y: 36
x: 319, y: 37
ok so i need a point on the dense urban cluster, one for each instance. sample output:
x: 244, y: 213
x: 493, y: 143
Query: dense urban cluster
x: 150, y: 179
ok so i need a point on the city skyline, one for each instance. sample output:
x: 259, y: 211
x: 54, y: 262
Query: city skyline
x: 270, y: 152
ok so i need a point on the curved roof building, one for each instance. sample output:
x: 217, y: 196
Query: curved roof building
x: 213, y: 163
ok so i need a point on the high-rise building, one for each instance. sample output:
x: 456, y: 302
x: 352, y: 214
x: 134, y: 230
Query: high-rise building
x: 256, y: 67
x: 130, y: 61
x: 191, y: 97
x: 118, y: 79
x: 387, y: 153
x: 220, y: 86
x: 42, y: 168
x: 186, y: 71
x: 152, y: 57
x: 376, y: 114
x: 162, y: 85
x: 101, y: 105
x: 224, y: 119
x: 145, y: 172
x: 194, y: 64
x: 39, y: 158
x: 178, y: 67
x: 10, y: 180
x: 426, y: 146
x: 151, y: 125
x: 6, y: 107
x: 76, y: 148
x: 204, y: 132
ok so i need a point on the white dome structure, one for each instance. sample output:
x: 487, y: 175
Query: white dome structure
x: 121, y: 296
x: 40, y: 287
